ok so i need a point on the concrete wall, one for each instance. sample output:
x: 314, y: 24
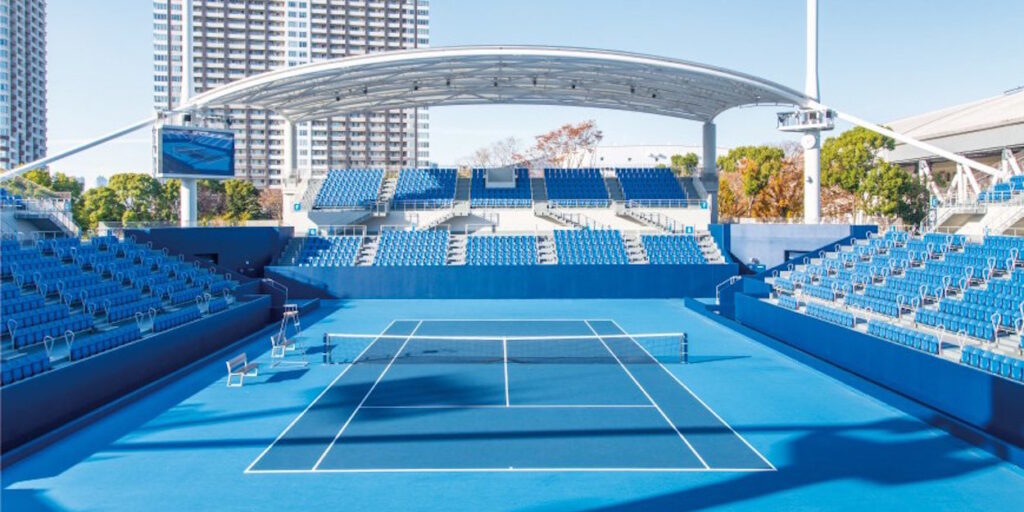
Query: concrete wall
x: 769, y: 242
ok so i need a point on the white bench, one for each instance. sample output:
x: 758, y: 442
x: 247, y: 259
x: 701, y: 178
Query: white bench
x: 240, y: 367
x: 280, y: 345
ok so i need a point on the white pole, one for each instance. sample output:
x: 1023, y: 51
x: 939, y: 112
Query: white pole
x: 811, y: 140
x: 188, y: 200
x: 709, y: 175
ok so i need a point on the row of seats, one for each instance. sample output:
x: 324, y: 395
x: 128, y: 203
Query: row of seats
x: 433, y: 188
x: 575, y: 187
x: 1002, y: 192
x: 9, y: 200
x: 788, y: 302
x: 173, y: 319
x: 23, y: 366
x: 101, y: 342
x: 904, y: 336
x: 590, y: 247
x: 349, y: 188
x: 329, y: 251
x: 673, y: 249
x: 1009, y: 367
x: 416, y: 248
x: 501, y: 250
x: 880, y: 306
x: 519, y: 196
x: 830, y: 315
x: 657, y: 186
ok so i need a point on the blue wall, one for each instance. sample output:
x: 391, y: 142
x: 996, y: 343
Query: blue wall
x: 35, y: 406
x: 234, y: 246
x: 984, y: 401
x: 495, y: 282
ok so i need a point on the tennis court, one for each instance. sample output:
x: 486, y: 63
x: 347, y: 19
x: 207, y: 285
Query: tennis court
x: 507, y: 395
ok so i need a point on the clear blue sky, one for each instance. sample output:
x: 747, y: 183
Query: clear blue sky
x: 880, y: 60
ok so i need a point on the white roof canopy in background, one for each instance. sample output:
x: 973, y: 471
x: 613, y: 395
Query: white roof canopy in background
x: 500, y: 75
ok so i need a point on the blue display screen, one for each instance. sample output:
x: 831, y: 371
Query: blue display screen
x: 197, y: 152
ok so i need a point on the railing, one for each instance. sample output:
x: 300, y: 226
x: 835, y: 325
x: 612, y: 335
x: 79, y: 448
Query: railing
x: 728, y: 282
x: 422, y: 204
x: 664, y: 203
x: 342, y: 230
x: 276, y: 286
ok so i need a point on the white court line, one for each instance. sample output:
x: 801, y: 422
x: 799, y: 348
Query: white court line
x: 688, y: 390
x: 504, y: 348
x: 366, y: 396
x: 513, y: 470
x: 493, y: 319
x: 525, y: 406
x: 644, y: 391
x: 315, y: 400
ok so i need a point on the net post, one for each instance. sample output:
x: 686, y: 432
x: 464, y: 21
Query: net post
x: 327, y: 349
x: 685, y: 348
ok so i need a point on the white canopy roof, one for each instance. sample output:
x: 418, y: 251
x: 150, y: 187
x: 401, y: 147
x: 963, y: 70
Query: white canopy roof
x: 500, y: 75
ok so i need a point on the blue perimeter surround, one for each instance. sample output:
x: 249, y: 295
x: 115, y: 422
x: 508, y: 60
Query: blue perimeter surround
x: 33, y: 407
x: 500, y: 282
x: 982, y: 400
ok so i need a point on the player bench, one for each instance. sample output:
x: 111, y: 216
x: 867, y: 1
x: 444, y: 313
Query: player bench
x: 239, y: 368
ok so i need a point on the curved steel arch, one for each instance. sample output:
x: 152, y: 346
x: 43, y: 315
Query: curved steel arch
x: 532, y: 75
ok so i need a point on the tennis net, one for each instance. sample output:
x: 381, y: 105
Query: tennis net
x: 342, y: 348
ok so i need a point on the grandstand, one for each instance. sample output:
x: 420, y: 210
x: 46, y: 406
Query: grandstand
x: 572, y: 338
x: 65, y: 299
x: 941, y: 293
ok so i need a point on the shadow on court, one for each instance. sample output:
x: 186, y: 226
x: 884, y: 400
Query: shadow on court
x: 826, y: 454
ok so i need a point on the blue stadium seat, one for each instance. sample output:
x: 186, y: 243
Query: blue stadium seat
x: 329, y: 251
x: 501, y: 250
x: 673, y: 249
x: 425, y: 188
x: 412, y: 248
x: 349, y: 188
x: 575, y: 187
x: 590, y: 247
x: 653, y: 187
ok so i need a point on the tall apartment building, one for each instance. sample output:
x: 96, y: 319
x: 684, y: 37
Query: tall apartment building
x: 233, y: 39
x: 22, y: 81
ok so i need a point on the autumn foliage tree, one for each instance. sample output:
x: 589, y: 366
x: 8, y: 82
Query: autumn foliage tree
x: 565, y: 146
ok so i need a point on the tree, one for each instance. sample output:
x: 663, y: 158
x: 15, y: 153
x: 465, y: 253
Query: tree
x: 565, y: 146
x: 847, y: 160
x: 892, y: 192
x: 99, y: 204
x: 210, y: 199
x: 755, y: 164
x: 685, y: 165
x: 271, y: 204
x: 241, y: 200
x: 728, y: 204
x: 39, y: 177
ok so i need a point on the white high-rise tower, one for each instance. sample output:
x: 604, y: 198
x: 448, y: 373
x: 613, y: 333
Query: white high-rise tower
x: 233, y: 39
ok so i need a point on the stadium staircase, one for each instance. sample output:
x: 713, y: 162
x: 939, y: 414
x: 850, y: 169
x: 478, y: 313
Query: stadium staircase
x: 456, y: 250
x: 387, y: 188
x: 312, y: 190
x: 649, y: 218
x: 367, y: 251
x: 689, y: 188
x: 291, y: 251
x: 538, y: 190
x: 546, y: 253
x: 707, y: 244
x: 462, y: 188
x: 634, y: 248
x: 614, y: 189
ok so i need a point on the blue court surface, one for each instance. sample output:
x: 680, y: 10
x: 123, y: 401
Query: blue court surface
x: 745, y: 425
